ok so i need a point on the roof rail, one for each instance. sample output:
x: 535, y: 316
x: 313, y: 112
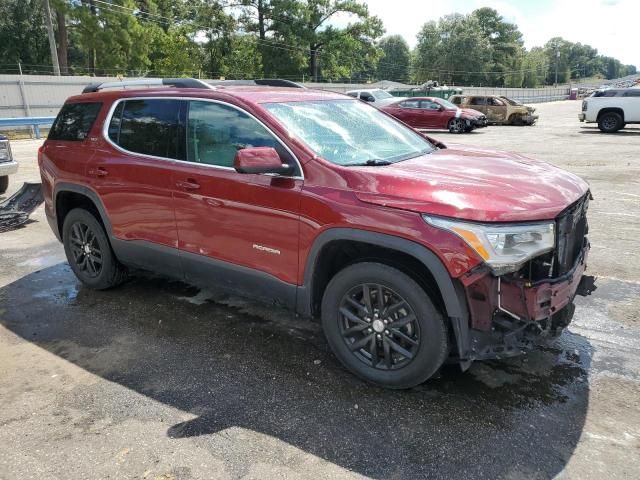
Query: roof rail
x: 267, y: 82
x: 149, y: 82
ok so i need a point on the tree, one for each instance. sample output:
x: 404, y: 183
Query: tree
x: 23, y: 37
x: 395, y: 60
x: 307, y: 23
x: 505, y: 48
x: 452, y: 50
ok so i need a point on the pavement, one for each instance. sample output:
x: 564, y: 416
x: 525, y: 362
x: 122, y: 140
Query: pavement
x: 160, y: 380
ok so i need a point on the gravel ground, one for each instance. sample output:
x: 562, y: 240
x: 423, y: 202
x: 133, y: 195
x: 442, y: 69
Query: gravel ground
x: 158, y: 380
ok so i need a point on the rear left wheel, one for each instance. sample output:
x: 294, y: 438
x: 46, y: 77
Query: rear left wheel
x: 383, y: 326
x: 89, y: 252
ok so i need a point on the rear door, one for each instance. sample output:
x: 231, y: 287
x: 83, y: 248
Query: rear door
x: 409, y: 112
x: 132, y: 173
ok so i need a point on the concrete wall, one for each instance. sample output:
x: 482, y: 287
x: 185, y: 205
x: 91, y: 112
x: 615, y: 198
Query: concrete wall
x: 43, y: 95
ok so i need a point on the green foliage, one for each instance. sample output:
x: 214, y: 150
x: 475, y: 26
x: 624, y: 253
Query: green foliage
x: 395, y: 60
x: 330, y: 40
x: 23, y: 36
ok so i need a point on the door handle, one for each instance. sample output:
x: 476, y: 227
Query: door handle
x: 189, y: 184
x: 99, y: 172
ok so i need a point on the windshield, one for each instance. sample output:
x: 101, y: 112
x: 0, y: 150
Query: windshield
x: 447, y: 104
x: 348, y: 132
x: 381, y: 94
x: 511, y: 101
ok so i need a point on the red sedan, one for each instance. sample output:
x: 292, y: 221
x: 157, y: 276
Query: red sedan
x: 435, y: 113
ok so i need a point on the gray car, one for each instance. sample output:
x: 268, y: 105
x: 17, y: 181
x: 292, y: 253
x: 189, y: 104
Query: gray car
x: 8, y: 166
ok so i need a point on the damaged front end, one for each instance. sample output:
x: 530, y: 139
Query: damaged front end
x: 509, y: 313
x: 513, y: 306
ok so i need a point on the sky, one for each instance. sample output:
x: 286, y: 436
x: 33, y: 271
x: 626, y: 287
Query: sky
x: 611, y: 26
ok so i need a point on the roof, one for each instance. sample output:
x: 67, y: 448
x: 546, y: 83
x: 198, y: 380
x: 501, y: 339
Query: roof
x: 251, y: 94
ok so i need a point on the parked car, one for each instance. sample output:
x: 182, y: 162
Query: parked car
x: 435, y: 113
x: 498, y: 109
x: 374, y: 95
x: 612, y: 109
x: 8, y: 166
x: 409, y: 252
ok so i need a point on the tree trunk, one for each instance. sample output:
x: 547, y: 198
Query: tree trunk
x: 313, y: 63
x: 92, y: 52
x: 63, y: 42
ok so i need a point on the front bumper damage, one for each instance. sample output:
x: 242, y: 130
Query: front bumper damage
x: 509, y: 315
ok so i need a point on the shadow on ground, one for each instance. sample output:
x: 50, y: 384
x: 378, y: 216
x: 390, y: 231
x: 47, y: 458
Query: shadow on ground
x: 233, y: 363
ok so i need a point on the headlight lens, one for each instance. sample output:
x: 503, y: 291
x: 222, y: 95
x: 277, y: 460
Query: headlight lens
x: 4, y: 151
x: 505, y: 247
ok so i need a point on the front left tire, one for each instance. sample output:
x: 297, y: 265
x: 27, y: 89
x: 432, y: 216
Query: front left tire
x: 4, y: 183
x: 383, y: 326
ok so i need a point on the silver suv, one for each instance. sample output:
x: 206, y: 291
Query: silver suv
x: 8, y: 166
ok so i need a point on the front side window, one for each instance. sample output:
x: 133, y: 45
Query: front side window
x: 215, y: 133
x: 632, y: 92
x: 347, y: 132
x: 149, y: 126
x: 429, y: 105
x: 381, y: 94
x: 410, y: 104
x: 74, y: 121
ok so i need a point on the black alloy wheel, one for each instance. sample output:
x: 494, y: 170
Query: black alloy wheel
x: 383, y: 326
x: 379, y: 326
x: 89, y: 252
x: 86, y: 249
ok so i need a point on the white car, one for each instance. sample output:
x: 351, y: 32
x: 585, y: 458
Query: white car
x: 7, y: 165
x: 376, y: 96
x: 612, y: 109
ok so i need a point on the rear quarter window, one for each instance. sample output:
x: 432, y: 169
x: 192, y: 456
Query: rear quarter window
x: 74, y: 121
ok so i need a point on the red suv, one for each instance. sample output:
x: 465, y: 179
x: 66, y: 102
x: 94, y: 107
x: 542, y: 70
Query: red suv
x: 410, y: 253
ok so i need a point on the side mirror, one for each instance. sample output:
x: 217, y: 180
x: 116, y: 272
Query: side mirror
x: 260, y: 160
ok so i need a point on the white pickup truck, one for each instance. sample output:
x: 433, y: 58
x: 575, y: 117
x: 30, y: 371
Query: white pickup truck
x: 612, y: 109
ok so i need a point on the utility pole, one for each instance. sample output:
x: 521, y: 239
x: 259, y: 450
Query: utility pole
x: 52, y: 39
x: 557, y: 60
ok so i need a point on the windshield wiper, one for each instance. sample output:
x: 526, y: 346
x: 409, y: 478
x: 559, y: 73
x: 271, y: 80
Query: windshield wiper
x: 372, y: 162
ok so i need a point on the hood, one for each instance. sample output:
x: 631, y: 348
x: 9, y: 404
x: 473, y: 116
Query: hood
x: 471, y: 112
x: 471, y: 184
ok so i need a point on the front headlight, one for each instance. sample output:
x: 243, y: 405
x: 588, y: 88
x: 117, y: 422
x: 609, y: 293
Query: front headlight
x: 505, y: 247
x: 5, y: 151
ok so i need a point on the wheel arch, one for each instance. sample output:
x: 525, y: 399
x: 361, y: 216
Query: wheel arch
x: 67, y: 196
x: 617, y: 110
x: 327, y: 247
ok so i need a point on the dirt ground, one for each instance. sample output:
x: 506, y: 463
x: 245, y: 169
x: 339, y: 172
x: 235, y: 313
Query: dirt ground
x: 158, y: 380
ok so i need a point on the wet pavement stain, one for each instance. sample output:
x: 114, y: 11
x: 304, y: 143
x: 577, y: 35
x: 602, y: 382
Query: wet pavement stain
x: 233, y: 363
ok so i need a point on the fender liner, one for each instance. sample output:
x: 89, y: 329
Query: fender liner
x: 452, y: 294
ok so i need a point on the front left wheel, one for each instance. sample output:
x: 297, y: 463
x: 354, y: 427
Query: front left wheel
x: 89, y: 252
x: 383, y: 326
x: 456, y: 125
x: 4, y: 183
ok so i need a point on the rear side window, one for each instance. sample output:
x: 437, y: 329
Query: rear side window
x: 632, y: 93
x: 150, y: 127
x: 74, y: 121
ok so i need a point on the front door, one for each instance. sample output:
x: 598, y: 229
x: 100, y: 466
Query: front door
x: 240, y: 230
